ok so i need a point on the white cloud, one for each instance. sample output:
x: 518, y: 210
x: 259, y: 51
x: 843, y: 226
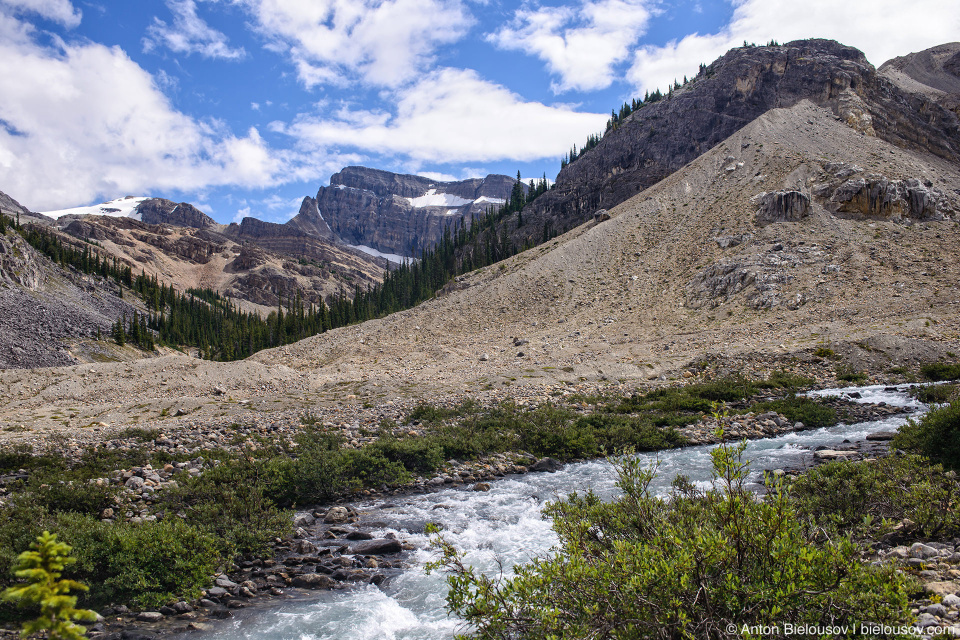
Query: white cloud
x: 241, y: 214
x: 581, y: 44
x: 189, y: 33
x: 452, y: 115
x: 61, y: 11
x: 882, y: 29
x: 88, y: 123
x: 439, y: 177
x: 387, y: 42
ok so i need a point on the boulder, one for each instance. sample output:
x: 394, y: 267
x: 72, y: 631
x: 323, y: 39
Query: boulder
x: 377, y: 547
x: 336, y: 515
x: 314, y: 581
x: 546, y: 464
x: 149, y: 616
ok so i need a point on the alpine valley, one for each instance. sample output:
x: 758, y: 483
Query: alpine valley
x: 786, y: 220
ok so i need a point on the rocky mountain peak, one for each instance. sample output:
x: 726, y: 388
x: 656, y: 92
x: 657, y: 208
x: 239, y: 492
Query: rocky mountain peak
x: 661, y: 137
x: 396, y: 213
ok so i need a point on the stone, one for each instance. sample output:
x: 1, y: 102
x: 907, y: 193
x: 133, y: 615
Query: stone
x: 149, y: 616
x: 303, y: 520
x: 314, y: 581
x: 925, y: 620
x: 546, y: 464
x: 168, y: 611
x: 216, y: 592
x: 951, y: 600
x: 135, y: 482
x: 359, y: 535
x: 935, y: 609
x: 377, y: 547
x: 183, y: 607
x: 881, y: 436
x: 941, y: 588
x: 482, y: 486
x: 225, y: 583
x: 106, y: 514
x: 336, y: 515
x: 920, y: 550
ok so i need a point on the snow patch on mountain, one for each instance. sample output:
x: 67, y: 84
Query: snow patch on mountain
x: 120, y: 208
x: 392, y: 257
x: 486, y: 200
x: 433, y: 199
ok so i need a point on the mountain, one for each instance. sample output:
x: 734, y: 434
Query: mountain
x: 796, y: 231
x: 798, y: 234
x: 254, y: 262
x: 933, y: 73
x: 394, y: 213
x: 660, y: 137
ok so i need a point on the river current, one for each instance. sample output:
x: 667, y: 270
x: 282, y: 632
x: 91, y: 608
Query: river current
x: 505, y: 525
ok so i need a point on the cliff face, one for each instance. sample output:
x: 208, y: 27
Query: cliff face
x: 662, y: 137
x: 394, y: 213
x: 183, y: 214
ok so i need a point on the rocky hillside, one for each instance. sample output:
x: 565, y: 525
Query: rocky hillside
x: 661, y: 137
x: 394, y: 213
x: 934, y: 73
x: 47, y: 312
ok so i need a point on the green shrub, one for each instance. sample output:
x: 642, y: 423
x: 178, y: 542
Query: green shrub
x: 935, y: 393
x: 785, y: 380
x: 847, y: 374
x: 148, y: 564
x: 417, y: 454
x: 72, y: 495
x: 867, y: 498
x: 800, y: 409
x: 230, y: 503
x: 938, y: 371
x: 700, y: 565
x: 936, y: 435
x: 825, y: 352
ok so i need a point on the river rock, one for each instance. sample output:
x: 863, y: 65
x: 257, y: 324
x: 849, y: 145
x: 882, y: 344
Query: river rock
x: 314, y: 581
x: 546, y: 464
x: 303, y: 520
x: 482, y: 486
x: 881, y: 436
x: 377, y: 547
x: 149, y: 616
x: 336, y: 515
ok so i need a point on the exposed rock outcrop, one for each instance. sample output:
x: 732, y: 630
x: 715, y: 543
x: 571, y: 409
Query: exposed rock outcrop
x: 782, y: 206
x: 183, y: 214
x: 394, y: 213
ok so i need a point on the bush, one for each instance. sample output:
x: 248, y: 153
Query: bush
x: 417, y: 454
x: 700, y: 565
x: 867, y: 498
x: 936, y: 435
x: 230, y: 503
x: 938, y: 371
x: 72, y: 495
x: 148, y: 564
x: 800, y: 409
x: 935, y: 393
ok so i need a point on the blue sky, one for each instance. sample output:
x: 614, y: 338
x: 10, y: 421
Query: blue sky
x: 243, y: 107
